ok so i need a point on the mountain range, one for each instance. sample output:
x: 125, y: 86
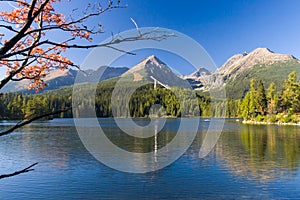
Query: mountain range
x: 58, y: 78
x: 234, y: 74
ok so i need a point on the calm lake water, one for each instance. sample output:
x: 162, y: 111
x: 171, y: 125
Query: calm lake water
x: 248, y: 162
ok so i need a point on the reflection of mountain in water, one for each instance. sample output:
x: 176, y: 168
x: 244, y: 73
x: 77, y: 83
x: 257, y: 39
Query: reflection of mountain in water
x: 261, y: 152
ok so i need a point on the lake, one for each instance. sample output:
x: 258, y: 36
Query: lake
x: 248, y: 162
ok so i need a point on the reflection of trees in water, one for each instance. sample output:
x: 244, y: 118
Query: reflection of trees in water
x: 261, y: 152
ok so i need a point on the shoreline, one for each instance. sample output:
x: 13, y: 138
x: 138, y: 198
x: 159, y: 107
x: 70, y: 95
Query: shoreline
x: 270, y: 123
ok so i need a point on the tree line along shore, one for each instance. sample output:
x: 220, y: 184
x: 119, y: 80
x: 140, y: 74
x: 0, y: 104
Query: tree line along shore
x: 258, y: 106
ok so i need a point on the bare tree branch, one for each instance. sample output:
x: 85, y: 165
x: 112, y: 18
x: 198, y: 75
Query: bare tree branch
x: 27, y: 169
x: 8, y: 28
x: 66, y: 26
x: 16, y: 1
x: 149, y: 35
x: 31, y: 119
x: 154, y: 34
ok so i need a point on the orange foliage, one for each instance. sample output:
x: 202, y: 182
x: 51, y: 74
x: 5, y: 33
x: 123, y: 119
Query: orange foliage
x: 41, y: 58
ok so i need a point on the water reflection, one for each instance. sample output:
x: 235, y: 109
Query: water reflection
x: 145, y: 153
x: 263, y: 153
x: 158, y: 140
x: 248, y: 161
x: 53, y: 146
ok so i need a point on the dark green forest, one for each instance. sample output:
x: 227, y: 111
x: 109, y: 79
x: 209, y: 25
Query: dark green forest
x: 19, y: 106
x: 258, y: 104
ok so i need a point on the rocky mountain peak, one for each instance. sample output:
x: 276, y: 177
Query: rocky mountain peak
x: 262, y: 51
x: 152, y: 57
x: 152, y: 67
x: 259, y: 56
x: 200, y: 72
x: 152, y: 60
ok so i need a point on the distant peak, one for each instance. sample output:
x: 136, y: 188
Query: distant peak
x: 151, y: 57
x: 240, y: 62
x: 200, y: 72
x: 153, y: 60
x: 270, y: 55
x: 262, y: 50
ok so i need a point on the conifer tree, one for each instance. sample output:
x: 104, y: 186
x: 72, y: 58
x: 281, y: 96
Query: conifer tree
x: 252, y: 99
x: 290, y: 100
x: 261, y: 98
x: 245, y: 107
x: 272, y: 99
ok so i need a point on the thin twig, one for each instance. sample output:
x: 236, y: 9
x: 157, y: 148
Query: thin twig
x: 27, y: 169
x: 29, y: 120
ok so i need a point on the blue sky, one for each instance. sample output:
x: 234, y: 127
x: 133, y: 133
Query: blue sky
x: 222, y: 27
